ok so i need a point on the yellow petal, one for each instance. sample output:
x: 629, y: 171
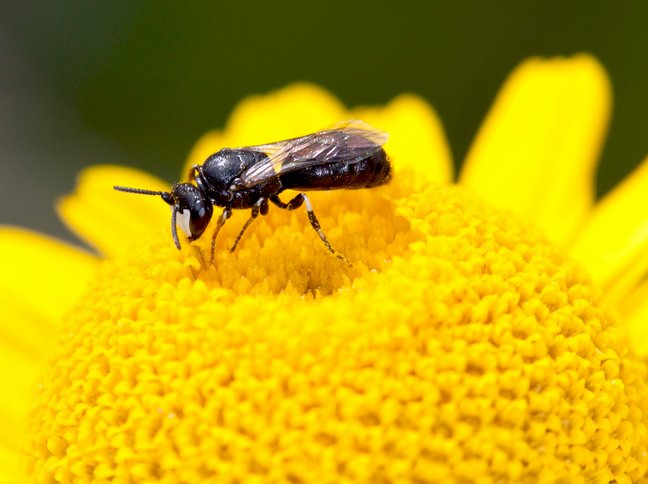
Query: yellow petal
x: 18, y: 377
x: 41, y: 279
x: 613, y: 244
x: 537, y: 149
x: 109, y: 220
x: 634, y: 309
x: 10, y: 465
x: 295, y: 110
x: 417, y: 141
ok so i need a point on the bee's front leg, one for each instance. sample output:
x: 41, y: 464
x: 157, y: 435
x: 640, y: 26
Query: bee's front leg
x: 227, y: 213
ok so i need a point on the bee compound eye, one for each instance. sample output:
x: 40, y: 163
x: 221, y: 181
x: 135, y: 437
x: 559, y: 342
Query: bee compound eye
x: 200, y: 216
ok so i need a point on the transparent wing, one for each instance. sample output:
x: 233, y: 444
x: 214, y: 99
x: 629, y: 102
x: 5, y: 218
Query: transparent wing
x: 346, y: 142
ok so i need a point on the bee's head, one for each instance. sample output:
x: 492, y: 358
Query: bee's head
x: 191, y: 209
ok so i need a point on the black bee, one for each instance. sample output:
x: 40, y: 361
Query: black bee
x: 347, y: 156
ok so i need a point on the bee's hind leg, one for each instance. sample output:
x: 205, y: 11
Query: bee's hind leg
x: 297, y: 202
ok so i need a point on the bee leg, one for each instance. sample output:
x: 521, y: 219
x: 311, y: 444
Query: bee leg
x: 227, y: 213
x: 297, y: 202
x: 262, y: 207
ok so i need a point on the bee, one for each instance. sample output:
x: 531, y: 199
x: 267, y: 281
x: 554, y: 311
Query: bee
x: 349, y: 155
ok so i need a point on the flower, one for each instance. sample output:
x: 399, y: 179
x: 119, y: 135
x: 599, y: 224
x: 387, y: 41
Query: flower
x: 481, y: 332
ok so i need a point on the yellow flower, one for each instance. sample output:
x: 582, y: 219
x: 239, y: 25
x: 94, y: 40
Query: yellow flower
x: 481, y: 333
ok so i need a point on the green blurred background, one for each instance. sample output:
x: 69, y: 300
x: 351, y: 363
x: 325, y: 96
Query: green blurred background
x: 136, y: 82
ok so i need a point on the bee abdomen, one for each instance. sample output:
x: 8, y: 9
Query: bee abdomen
x: 373, y: 171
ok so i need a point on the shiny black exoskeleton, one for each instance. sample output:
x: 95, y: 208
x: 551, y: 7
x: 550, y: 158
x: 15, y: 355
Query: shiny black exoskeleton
x: 348, y: 156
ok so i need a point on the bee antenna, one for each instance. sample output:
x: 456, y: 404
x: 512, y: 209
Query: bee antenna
x: 166, y: 196
x: 141, y: 191
x: 174, y: 229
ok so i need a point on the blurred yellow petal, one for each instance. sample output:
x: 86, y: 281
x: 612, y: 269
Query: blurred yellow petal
x: 42, y: 277
x: 417, y: 142
x: 25, y: 326
x: 10, y: 465
x: 112, y: 221
x: 295, y: 110
x: 20, y: 372
x: 613, y: 244
x: 537, y: 149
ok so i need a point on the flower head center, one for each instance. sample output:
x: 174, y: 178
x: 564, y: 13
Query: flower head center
x: 457, y: 336
x: 282, y: 253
